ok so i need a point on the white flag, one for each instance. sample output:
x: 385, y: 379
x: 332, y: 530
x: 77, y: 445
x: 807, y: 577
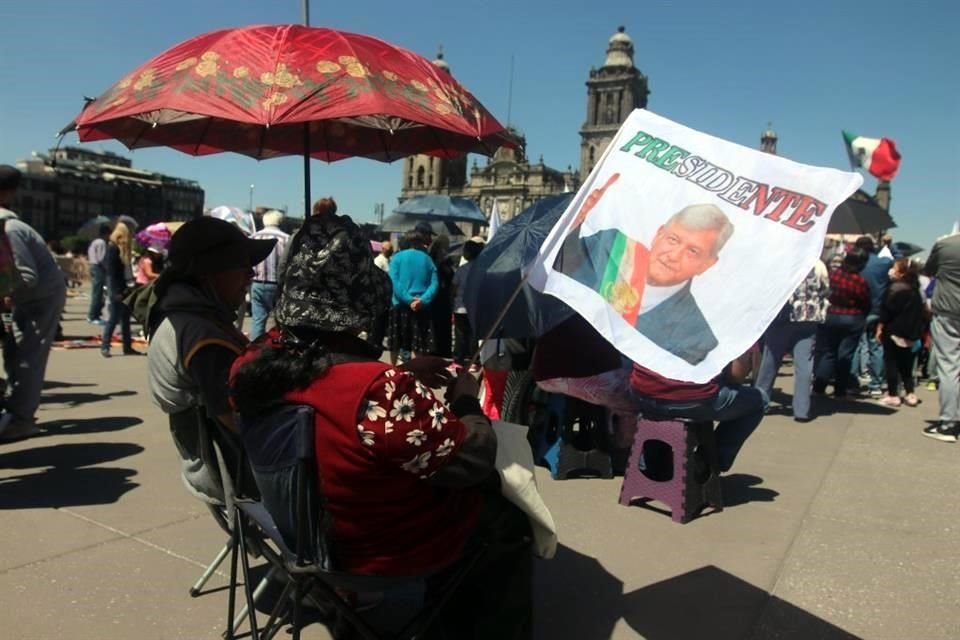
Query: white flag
x: 680, y: 248
x: 494, y: 221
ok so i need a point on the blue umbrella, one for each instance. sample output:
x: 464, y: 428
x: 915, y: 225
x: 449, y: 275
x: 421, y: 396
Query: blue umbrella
x: 91, y: 228
x: 438, y: 207
x: 498, y: 271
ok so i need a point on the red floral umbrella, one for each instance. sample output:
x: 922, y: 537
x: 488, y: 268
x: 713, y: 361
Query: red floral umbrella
x: 275, y: 90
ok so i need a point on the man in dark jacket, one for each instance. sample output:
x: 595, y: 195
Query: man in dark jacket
x: 193, y: 338
x: 38, y: 301
x: 944, y: 265
x: 869, y: 354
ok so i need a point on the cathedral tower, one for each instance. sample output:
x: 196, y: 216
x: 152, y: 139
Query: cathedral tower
x: 768, y: 140
x: 613, y: 91
x: 424, y: 174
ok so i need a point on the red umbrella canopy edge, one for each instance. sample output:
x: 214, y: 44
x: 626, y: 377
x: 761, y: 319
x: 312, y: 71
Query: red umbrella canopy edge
x: 254, y: 90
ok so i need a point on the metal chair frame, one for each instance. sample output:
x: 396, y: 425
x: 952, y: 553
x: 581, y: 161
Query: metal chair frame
x: 307, y: 568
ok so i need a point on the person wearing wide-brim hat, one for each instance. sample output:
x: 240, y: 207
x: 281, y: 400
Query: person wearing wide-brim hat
x: 188, y: 313
x: 406, y: 480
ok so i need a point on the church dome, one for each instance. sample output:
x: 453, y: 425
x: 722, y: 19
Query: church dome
x: 620, y: 50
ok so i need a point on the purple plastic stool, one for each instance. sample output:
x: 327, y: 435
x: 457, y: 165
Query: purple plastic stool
x: 681, y: 492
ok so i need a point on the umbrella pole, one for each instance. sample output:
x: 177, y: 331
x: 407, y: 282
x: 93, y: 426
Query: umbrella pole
x: 305, y: 16
x: 306, y: 170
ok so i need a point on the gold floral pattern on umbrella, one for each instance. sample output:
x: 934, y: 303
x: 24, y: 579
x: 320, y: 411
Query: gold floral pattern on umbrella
x: 260, y: 90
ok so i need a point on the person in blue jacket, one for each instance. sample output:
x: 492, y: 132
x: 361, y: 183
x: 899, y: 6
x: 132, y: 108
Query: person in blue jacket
x: 415, y: 285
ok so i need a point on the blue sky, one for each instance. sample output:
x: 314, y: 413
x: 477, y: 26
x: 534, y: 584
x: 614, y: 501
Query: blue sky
x: 727, y: 68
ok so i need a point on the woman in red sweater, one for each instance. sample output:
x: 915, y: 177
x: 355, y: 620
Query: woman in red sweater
x: 406, y: 479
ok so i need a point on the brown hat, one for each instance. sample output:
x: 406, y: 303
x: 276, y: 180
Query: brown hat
x: 210, y: 245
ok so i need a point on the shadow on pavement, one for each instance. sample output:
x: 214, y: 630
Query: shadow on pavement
x: 711, y: 603
x: 80, y: 397
x: 780, y: 405
x: 90, y: 425
x: 67, y: 479
x: 576, y: 597
x: 741, y: 488
x: 56, y: 384
x: 862, y: 405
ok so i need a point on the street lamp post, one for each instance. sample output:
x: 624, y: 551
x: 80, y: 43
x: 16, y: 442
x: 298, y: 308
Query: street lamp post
x: 250, y: 208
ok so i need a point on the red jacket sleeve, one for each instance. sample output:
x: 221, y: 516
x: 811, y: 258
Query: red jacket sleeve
x: 406, y: 425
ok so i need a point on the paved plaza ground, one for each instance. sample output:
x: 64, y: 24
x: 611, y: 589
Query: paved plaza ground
x: 844, y: 527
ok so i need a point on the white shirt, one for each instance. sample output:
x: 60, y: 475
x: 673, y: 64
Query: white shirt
x: 382, y: 261
x: 652, y: 296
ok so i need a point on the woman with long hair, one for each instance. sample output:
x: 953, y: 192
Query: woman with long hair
x: 116, y: 261
x: 899, y: 330
x: 407, y: 481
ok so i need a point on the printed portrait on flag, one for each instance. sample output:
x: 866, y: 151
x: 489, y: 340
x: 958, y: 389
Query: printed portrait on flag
x: 681, y: 248
x: 649, y: 283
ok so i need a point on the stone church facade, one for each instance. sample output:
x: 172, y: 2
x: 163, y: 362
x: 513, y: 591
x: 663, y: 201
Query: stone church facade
x: 510, y: 179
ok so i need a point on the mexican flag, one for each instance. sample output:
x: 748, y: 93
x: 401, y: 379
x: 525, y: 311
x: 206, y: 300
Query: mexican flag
x: 878, y: 156
x: 624, y: 273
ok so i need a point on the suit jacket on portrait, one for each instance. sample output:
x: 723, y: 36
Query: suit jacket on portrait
x: 675, y: 325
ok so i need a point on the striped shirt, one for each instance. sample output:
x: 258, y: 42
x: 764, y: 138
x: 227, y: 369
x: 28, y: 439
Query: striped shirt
x: 269, y: 269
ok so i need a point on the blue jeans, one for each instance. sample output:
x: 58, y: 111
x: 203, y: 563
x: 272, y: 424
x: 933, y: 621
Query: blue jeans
x: 738, y: 409
x: 118, y: 314
x: 868, y: 358
x: 780, y: 339
x: 837, y: 340
x: 35, y: 328
x: 97, y: 277
x: 263, y: 297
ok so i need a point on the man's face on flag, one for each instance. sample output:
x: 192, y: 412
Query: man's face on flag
x: 680, y: 253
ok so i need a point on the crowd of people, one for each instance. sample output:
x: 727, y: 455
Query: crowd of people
x: 427, y: 314
x: 871, y: 324
x: 406, y: 453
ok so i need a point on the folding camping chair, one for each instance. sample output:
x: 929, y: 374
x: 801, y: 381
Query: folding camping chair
x: 224, y: 453
x: 281, y: 451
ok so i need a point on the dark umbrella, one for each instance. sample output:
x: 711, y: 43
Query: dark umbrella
x: 129, y: 221
x: 498, y: 271
x: 399, y: 222
x: 91, y: 228
x: 860, y: 214
x: 906, y: 249
x: 440, y: 207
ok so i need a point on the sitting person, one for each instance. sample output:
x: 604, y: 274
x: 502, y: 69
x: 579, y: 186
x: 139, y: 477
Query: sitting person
x: 738, y: 408
x: 406, y: 481
x: 188, y: 312
x: 600, y: 376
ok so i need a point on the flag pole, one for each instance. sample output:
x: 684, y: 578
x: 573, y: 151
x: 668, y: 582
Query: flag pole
x: 496, y: 323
